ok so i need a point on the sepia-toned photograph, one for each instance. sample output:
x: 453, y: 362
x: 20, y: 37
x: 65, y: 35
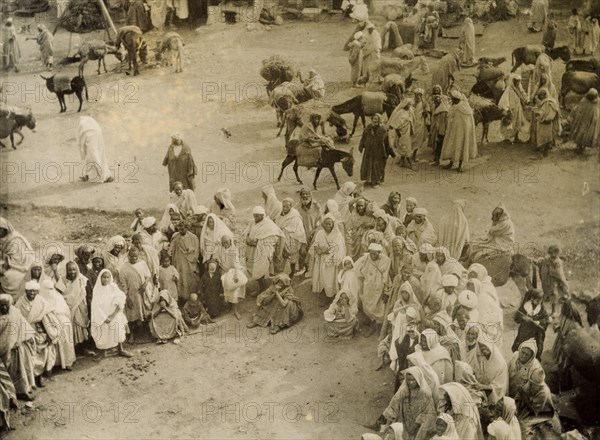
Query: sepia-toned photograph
x: 300, y: 219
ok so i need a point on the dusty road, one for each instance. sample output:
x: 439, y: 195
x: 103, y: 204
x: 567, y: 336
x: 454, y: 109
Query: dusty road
x: 229, y: 382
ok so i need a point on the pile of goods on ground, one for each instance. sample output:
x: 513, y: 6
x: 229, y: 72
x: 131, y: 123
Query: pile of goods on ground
x: 82, y: 16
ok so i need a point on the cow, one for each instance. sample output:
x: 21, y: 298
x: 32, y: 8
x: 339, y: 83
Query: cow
x: 529, y: 54
x: 356, y: 106
x: 578, y: 82
x: 131, y: 38
x: 295, y: 114
x: 485, y: 112
x: 12, y: 120
x: 590, y: 65
x: 285, y: 96
x: 329, y: 157
x: 96, y: 50
x: 62, y: 85
x: 173, y: 44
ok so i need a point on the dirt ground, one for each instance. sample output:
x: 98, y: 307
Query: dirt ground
x: 227, y: 381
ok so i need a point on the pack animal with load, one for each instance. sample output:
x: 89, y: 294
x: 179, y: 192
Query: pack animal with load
x: 96, y: 50
x: 293, y: 116
x: 62, y: 84
x: 284, y: 96
x: 131, y: 38
x: 12, y: 120
x: 397, y: 84
x: 361, y: 106
x: 328, y: 159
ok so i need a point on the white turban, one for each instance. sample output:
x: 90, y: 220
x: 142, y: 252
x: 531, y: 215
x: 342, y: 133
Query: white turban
x: 148, y: 222
x: 456, y: 94
x: 375, y: 247
x: 420, y: 211
x: 259, y: 210
x: 468, y: 299
x: 32, y: 285
x: 449, y: 280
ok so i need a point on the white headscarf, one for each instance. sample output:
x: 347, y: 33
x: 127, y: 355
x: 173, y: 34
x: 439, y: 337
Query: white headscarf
x: 273, y: 206
x: 209, y: 239
x: 330, y: 313
x: 450, y: 433
x: 224, y: 195
x: 104, y: 299
x: 165, y: 221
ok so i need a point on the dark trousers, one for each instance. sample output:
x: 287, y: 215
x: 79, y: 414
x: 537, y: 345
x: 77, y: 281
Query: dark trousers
x: 437, y: 151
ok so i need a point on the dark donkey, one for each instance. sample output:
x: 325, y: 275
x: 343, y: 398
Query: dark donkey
x: 356, y: 106
x: 62, y: 84
x: 328, y: 160
x: 13, y: 120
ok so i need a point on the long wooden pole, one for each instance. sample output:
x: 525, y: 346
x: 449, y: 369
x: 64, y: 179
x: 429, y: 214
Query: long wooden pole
x: 107, y: 16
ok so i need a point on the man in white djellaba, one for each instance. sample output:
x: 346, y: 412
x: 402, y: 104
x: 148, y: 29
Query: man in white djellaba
x: 91, y: 149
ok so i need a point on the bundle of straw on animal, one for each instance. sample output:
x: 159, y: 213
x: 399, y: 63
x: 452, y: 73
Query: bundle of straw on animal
x: 277, y: 70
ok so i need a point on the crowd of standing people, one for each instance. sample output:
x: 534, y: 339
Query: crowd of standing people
x: 376, y: 268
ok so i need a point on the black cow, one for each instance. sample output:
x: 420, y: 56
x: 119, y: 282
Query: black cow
x: 590, y: 65
x: 328, y: 160
x: 77, y: 85
x: 578, y: 82
x: 485, y: 112
x: 356, y: 106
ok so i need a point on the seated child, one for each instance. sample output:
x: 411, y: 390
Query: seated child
x: 194, y: 312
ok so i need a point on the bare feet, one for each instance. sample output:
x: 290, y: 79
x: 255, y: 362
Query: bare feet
x: 125, y: 353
